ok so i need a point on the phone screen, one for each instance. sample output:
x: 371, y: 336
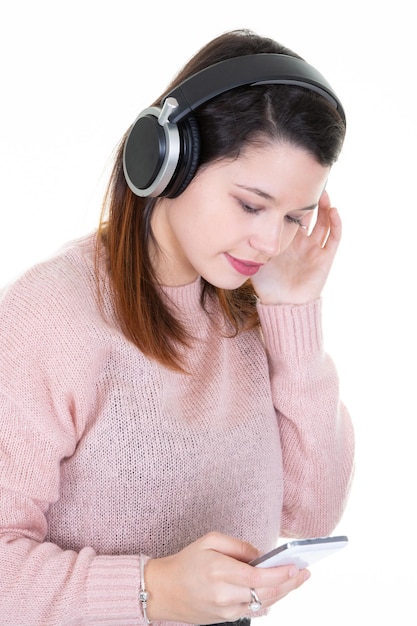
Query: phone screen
x: 301, y: 553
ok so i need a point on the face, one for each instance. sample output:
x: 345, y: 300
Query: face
x: 236, y: 215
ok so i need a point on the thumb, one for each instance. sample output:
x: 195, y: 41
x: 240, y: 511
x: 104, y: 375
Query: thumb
x: 230, y: 546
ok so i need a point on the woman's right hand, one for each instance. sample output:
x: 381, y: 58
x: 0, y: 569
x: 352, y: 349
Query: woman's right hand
x: 209, y: 581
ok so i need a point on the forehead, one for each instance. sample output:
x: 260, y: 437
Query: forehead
x: 271, y: 166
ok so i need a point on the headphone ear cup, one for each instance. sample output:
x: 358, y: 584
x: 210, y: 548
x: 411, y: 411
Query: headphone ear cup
x: 188, y: 159
x: 150, y: 154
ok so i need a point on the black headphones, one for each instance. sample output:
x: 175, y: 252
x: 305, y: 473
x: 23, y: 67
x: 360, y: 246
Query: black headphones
x: 161, y: 152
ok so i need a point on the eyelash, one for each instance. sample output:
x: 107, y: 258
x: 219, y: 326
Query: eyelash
x: 254, y: 211
x: 249, y: 209
x: 294, y: 220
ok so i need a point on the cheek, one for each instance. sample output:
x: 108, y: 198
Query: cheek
x: 288, y: 237
x: 196, y: 238
x: 208, y: 230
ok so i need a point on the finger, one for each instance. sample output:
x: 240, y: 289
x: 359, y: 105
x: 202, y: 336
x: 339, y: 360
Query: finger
x: 271, y: 582
x: 335, y: 224
x: 270, y: 594
x: 230, y: 546
x: 328, y: 230
x: 320, y: 231
x: 332, y: 241
x: 324, y: 201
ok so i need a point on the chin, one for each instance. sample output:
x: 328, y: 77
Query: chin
x: 227, y: 283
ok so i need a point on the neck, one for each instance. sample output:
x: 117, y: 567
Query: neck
x: 170, y: 264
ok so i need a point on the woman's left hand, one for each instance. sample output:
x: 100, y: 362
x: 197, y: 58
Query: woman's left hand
x: 299, y: 273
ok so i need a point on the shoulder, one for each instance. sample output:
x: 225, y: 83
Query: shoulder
x: 67, y: 274
x: 58, y: 293
x: 51, y: 326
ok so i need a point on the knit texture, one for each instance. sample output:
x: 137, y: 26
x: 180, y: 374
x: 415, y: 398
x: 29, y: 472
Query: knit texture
x: 105, y: 454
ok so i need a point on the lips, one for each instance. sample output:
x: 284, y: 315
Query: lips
x: 246, y: 268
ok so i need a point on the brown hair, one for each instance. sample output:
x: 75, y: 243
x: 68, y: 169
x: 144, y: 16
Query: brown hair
x: 226, y: 124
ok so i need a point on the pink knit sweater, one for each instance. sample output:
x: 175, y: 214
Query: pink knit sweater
x: 106, y: 454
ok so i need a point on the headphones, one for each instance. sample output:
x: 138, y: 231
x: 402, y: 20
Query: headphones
x: 161, y: 152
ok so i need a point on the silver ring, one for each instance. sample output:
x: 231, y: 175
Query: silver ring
x: 255, y: 604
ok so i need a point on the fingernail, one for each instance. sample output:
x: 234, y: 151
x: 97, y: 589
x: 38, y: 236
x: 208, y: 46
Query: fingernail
x: 306, y: 574
x: 293, y: 572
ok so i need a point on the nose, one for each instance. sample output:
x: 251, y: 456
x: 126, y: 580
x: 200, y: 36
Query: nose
x: 268, y: 239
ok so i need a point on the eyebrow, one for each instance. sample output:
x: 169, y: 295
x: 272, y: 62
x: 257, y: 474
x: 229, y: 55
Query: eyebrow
x: 267, y: 196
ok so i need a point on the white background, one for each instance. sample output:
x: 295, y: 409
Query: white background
x: 75, y: 74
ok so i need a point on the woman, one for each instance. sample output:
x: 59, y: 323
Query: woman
x: 167, y: 408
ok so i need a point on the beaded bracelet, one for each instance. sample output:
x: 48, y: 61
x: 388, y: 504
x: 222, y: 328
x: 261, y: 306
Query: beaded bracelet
x: 143, y: 594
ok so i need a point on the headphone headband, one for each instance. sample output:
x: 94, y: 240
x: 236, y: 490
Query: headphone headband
x: 161, y: 152
x: 251, y: 69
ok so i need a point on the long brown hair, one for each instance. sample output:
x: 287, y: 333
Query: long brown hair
x: 226, y: 124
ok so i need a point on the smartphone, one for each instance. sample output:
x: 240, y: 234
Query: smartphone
x: 301, y: 553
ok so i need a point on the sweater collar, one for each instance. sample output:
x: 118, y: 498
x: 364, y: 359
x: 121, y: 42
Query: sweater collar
x: 184, y: 297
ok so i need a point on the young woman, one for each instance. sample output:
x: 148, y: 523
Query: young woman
x: 167, y: 408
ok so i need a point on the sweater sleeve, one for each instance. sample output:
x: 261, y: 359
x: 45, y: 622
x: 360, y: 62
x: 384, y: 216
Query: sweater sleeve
x: 316, y: 431
x: 42, y: 417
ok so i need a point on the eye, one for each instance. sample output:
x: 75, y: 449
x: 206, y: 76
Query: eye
x: 248, y: 208
x: 296, y: 220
